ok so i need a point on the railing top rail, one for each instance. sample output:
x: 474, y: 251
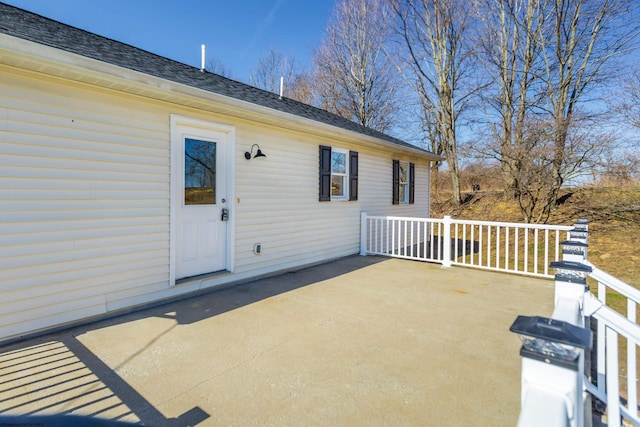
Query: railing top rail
x: 404, y: 218
x: 474, y: 222
x: 614, y: 320
x: 514, y: 224
x: 615, y: 283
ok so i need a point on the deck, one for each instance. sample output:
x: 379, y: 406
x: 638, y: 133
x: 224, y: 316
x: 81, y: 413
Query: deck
x: 359, y: 341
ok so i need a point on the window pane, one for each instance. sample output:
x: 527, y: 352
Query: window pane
x: 199, y: 172
x: 403, y: 172
x: 337, y: 185
x: 404, y: 193
x: 338, y: 162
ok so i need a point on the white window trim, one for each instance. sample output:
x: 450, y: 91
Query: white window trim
x: 345, y: 175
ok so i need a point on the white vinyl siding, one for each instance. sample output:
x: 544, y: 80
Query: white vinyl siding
x: 85, y: 189
x: 84, y: 183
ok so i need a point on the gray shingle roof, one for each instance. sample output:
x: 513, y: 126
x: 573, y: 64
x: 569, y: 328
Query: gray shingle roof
x: 30, y: 26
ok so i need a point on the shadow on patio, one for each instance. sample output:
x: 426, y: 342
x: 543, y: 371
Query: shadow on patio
x: 359, y: 341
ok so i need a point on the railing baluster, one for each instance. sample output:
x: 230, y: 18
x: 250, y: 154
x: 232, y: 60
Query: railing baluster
x: 602, y: 354
x: 498, y: 246
x: 516, y: 247
x: 372, y: 235
x: 480, y: 245
x: 546, y: 251
x: 632, y: 377
x: 432, y: 239
x: 425, y: 238
x: 412, y: 236
x: 393, y: 237
x: 506, y: 252
x: 473, y: 243
x: 464, y: 243
x: 455, y: 248
x: 526, y: 250
x: 489, y: 228
x: 613, y: 382
x: 535, y: 251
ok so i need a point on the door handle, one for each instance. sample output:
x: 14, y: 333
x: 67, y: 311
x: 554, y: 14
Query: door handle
x: 225, y: 214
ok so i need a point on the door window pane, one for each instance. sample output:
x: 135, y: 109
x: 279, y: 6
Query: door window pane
x: 199, y: 172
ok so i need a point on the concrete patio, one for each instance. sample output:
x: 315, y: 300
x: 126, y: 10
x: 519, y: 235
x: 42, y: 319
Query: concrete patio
x: 359, y: 341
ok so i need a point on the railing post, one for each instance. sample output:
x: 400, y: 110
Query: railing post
x: 552, y: 352
x: 363, y: 233
x: 570, y: 291
x: 580, y: 233
x: 446, y: 241
x: 553, y: 392
x: 576, y: 249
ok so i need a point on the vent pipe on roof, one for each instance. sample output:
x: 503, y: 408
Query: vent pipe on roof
x: 203, y: 57
x: 281, y: 86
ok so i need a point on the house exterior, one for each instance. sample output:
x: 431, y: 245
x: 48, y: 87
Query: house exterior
x: 124, y: 181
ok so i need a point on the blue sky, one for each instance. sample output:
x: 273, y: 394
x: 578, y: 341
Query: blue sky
x: 236, y: 32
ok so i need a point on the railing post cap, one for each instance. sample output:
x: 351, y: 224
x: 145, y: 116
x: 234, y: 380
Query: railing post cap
x: 552, y: 330
x: 571, y: 266
x: 574, y: 243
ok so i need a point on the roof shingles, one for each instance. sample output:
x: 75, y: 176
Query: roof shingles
x: 29, y: 26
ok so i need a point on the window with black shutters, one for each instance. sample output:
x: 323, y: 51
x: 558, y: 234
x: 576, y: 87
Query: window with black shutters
x: 338, y: 174
x: 404, y: 184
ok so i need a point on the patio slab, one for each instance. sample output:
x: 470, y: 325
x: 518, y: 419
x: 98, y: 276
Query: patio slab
x: 359, y: 341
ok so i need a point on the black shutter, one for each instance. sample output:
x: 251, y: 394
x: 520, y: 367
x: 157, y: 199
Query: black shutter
x: 396, y: 182
x: 412, y: 182
x: 353, y: 175
x: 325, y: 173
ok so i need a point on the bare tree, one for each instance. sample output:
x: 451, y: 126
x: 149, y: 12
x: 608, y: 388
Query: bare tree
x: 216, y: 66
x: 270, y: 68
x: 628, y: 105
x: 511, y: 54
x: 438, y: 59
x: 534, y: 181
x: 546, y: 57
x: 353, y: 77
x: 302, y: 88
x: 583, y: 38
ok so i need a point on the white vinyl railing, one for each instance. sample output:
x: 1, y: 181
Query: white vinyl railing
x: 501, y: 246
x: 617, y: 387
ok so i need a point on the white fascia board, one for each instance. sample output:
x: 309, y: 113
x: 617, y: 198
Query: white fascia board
x: 40, y: 58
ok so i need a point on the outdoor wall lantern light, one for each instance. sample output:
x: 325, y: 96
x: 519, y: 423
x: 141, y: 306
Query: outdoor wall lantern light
x: 259, y: 153
x: 551, y: 341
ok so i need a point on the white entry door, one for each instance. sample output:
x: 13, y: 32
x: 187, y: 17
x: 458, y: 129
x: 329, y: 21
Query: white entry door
x: 200, y: 200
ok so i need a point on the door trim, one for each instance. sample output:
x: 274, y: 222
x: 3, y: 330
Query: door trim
x: 175, y: 193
